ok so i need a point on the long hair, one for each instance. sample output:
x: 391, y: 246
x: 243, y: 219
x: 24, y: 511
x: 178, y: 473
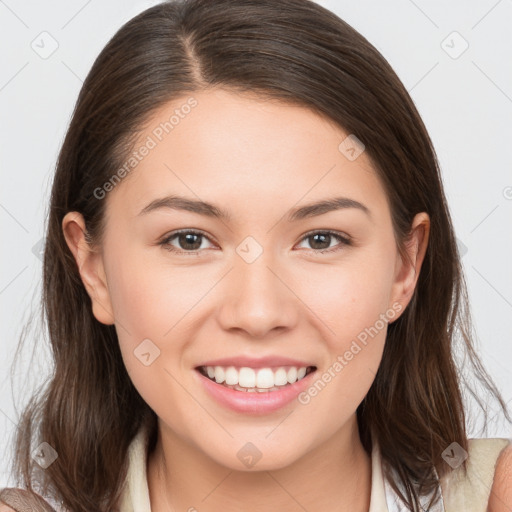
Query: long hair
x: 293, y: 51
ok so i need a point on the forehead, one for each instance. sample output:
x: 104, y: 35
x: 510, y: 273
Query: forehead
x: 238, y: 149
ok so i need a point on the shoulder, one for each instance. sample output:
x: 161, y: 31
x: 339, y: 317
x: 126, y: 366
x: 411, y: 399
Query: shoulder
x: 473, y: 490
x: 22, y: 499
x: 500, y: 499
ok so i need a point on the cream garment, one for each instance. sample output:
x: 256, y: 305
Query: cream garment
x: 458, y: 494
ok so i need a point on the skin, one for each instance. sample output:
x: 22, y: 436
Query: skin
x: 258, y: 160
x: 500, y: 498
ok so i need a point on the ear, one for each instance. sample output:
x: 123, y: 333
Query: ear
x: 90, y: 266
x: 408, y: 265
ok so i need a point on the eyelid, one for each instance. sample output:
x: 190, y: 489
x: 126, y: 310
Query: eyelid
x: 166, y: 238
x: 333, y: 232
x: 344, y: 238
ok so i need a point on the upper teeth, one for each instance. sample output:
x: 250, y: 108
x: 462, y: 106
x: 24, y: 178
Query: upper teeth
x: 261, y: 377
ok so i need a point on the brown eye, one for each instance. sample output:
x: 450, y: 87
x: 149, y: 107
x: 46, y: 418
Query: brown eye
x: 188, y: 241
x: 320, y: 241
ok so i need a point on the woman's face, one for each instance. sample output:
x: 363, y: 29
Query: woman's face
x: 253, y: 288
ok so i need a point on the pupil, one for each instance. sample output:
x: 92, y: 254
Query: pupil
x: 188, y: 239
x: 324, y: 236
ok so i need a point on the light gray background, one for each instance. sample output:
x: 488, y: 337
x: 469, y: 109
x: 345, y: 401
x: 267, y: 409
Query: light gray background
x: 465, y: 102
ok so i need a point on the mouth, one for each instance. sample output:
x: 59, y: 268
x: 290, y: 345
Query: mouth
x: 255, y: 380
x: 256, y: 390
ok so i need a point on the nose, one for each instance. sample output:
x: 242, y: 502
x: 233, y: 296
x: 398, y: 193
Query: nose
x: 259, y: 298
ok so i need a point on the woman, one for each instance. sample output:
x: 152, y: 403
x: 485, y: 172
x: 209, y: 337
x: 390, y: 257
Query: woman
x: 251, y: 281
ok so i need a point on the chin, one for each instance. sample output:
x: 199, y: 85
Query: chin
x: 252, y: 456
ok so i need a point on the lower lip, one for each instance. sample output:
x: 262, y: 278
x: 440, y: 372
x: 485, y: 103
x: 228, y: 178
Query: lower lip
x: 254, y: 402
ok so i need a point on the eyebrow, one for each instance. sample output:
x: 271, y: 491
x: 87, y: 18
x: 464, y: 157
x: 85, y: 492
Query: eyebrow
x: 210, y: 210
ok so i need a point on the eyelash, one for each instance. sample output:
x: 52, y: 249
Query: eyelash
x: 343, y: 239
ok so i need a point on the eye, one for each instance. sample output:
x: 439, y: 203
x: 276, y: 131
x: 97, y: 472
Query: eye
x: 324, y: 238
x: 190, y: 241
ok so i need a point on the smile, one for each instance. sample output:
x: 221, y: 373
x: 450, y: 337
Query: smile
x: 253, y: 380
x: 254, y: 390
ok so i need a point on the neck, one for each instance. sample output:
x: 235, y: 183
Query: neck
x: 334, y: 476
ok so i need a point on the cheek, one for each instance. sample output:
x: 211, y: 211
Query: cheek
x: 350, y: 296
x: 353, y: 312
x: 150, y: 303
x: 149, y: 295
x: 153, y: 300
x: 351, y: 301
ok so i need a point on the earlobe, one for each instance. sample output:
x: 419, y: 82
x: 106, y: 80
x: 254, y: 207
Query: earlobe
x: 408, y: 265
x: 90, y: 266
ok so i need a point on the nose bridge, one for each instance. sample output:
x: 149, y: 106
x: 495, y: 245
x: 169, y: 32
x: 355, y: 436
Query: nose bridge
x: 259, y: 299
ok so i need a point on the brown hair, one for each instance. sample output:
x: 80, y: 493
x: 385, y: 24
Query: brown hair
x: 293, y: 51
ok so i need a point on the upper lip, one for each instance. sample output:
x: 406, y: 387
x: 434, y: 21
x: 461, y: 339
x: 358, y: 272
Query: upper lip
x: 253, y: 362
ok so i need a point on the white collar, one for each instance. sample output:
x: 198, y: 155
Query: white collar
x: 135, y: 496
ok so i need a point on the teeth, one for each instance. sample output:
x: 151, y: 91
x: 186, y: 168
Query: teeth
x: 248, y: 377
x: 259, y: 379
x: 281, y: 377
x: 252, y: 390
